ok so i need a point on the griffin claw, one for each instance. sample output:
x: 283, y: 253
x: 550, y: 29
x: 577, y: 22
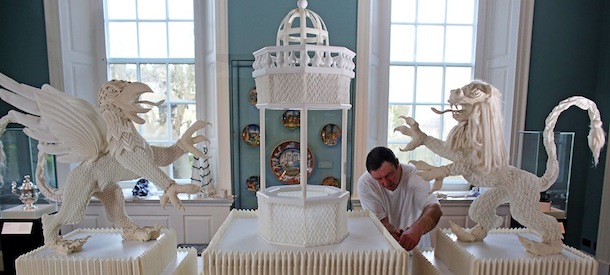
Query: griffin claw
x: 541, y: 249
x: 142, y: 234
x: 67, y: 247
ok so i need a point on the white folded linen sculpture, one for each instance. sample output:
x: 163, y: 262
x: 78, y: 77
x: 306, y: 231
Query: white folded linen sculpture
x: 107, y: 146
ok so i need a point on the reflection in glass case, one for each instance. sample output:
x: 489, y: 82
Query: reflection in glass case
x: 21, y: 158
x: 532, y: 157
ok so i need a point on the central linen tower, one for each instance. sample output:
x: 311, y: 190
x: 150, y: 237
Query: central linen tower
x: 303, y: 72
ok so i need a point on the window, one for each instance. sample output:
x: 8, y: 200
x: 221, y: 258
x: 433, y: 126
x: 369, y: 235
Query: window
x: 432, y: 46
x: 153, y: 42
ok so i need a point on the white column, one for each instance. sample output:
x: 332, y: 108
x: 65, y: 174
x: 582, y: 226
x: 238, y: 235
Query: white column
x: 263, y: 177
x: 343, y: 149
x: 303, y: 154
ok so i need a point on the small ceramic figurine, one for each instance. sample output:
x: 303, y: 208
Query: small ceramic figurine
x: 477, y: 150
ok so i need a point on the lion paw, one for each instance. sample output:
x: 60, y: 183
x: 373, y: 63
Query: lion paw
x: 412, y: 130
x: 142, y: 234
x: 67, y: 247
x: 428, y: 172
x: 541, y: 249
x: 475, y: 234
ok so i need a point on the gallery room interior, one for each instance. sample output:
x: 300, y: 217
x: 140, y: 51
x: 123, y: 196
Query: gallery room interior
x: 199, y: 58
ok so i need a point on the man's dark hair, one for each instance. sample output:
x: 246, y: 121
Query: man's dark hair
x: 377, y: 156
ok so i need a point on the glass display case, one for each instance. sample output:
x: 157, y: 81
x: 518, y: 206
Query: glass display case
x: 532, y: 157
x: 20, y: 154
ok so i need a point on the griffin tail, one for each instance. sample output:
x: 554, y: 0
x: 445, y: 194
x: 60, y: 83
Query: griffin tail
x: 596, y: 137
x: 49, y: 192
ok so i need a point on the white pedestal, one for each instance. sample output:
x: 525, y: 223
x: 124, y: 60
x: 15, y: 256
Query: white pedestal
x: 367, y: 249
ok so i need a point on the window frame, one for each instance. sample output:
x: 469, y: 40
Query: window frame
x: 373, y: 72
x: 77, y: 66
x: 137, y: 60
x: 420, y: 109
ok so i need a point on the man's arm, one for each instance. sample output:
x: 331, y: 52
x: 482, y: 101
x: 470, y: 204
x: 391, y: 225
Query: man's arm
x: 424, y: 224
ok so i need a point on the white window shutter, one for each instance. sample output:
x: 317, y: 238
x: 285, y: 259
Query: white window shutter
x: 75, y: 46
x: 497, y: 55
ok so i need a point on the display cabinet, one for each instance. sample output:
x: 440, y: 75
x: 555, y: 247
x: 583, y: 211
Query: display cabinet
x: 20, y: 157
x: 532, y: 157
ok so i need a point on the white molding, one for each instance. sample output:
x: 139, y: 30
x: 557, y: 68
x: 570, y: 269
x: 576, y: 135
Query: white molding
x: 372, y: 65
x: 362, y: 82
x: 526, y: 22
x: 602, y: 253
x: 212, y: 83
x: 56, y: 75
x: 51, y: 12
x: 224, y: 176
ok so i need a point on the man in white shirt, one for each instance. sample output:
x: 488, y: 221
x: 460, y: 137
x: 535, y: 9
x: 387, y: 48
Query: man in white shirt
x: 399, y: 198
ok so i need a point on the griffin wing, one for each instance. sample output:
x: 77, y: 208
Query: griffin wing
x: 66, y: 126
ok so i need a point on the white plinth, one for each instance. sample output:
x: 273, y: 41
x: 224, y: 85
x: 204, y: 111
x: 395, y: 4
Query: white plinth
x: 17, y: 212
x: 368, y: 249
x: 105, y: 252
x: 500, y: 253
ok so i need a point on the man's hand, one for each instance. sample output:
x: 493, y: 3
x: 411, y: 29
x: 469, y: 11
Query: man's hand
x: 395, y: 233
x: 409, y: 239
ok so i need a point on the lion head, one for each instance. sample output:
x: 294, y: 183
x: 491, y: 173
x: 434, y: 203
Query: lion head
x: 478, y: 110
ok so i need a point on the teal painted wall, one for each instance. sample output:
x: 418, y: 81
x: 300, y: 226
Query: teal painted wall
x: 253, y: 24
x: 23, y: 45
x: 567, y: 59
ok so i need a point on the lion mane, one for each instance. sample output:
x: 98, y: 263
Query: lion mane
x: 481, y: 134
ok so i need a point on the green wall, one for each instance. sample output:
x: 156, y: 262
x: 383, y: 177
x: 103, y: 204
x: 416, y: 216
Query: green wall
x: 23, y: 44
x: 569, y: 57
x: 253, y: 24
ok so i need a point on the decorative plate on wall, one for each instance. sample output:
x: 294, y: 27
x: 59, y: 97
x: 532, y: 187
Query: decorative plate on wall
x: 252, y: 96
x: 285, y: 162
x: 251, y: 134
x: 253, y: 183
x: 330, y: 134
x: 331, y: 181
x: 291, y: 118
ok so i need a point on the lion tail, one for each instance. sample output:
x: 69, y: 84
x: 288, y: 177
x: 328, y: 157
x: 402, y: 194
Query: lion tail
x: 596, y: 137
x: 49, y: 192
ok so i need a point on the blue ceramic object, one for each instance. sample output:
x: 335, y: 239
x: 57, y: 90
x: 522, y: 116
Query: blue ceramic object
x: 141, y: 189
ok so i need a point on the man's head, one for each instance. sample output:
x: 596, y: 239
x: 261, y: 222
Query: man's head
x: 383, y: 166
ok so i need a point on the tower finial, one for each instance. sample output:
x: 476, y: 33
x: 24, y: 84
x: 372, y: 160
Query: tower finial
x: 302, y: 4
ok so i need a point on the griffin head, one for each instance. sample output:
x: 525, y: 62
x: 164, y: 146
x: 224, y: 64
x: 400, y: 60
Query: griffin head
x: 123, y: 98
